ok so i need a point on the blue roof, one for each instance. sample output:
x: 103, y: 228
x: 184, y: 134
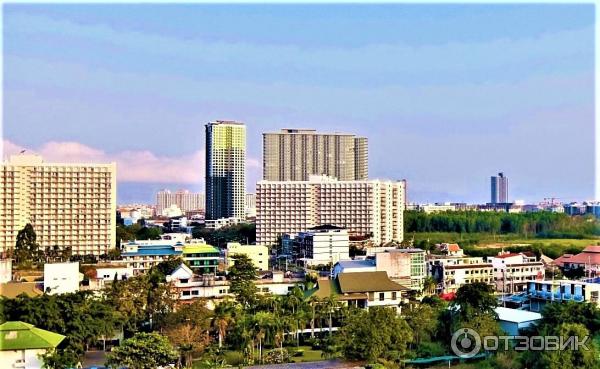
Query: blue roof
x: 153, y: 250
x: 369, y: 263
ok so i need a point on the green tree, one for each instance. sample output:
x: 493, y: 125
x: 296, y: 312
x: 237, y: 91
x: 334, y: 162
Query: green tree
x: 27, y: 250
x: 565, y: 358
x: 375, y: 333
x: 242, y: 277
x: 143, y: 351
x: 423, y: 320
x: 224, y: 317
x: 475, y: 299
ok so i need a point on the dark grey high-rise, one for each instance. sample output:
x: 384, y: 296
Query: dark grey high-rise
x: 499, y: 189
x: 225, y: 169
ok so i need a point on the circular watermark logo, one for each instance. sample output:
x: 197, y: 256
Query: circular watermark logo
x: 465, y: 343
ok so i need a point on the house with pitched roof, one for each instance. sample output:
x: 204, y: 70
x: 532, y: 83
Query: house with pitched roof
x: 360, y: 289
x: 22, y: 344
x: 588, y: 260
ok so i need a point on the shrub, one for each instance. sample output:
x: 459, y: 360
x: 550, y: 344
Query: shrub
x: 277, y: 356
x: 234, y: 358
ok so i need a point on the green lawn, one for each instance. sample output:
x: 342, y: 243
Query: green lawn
x: 309, y: 355
x: 488, y: 244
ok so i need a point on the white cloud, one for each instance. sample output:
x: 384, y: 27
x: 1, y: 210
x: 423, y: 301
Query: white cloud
x: 132, y: 166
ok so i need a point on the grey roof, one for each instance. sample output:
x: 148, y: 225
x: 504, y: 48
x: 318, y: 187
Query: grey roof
x: 368, y: 263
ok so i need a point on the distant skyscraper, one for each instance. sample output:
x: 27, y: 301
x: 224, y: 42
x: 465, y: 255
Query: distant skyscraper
x: 499, y: 187
x: 184, y: 199
x: 225, y: 169
x: 296, y: 154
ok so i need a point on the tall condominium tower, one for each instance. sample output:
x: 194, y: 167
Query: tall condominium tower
x: 371, y: 208
x: 499, y: 189
x: 296, y: 154
x: 184, y: 199
x: 225, y: 169
x: 68, y: 205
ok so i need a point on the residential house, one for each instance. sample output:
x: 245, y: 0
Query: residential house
x: 362, y: 290
x: 22, y: 345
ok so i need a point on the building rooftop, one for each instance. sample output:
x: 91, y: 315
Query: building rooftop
x: 368, y: 263
x: 17, y: 335
x: 407, y: 250
x: 516, y: 316
x: 11, y: 290
x: 367, y: 282
x: 153, y: 250
x: 200, y: 249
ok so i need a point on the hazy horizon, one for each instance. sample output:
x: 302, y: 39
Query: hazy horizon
x: 448, y: 95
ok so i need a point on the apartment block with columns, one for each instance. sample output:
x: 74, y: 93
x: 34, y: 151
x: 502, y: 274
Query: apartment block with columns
x: 296, y: 154
x: 68, y: 204
x: 370, y: 207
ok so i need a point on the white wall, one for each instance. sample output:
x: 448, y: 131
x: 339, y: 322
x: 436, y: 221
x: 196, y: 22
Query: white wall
x: 61, y: 278
x: 31, y: 358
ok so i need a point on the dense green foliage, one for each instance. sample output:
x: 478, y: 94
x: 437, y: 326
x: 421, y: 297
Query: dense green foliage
x: 242, y: 276
x: 80, y: 316
x: 143, y: 351
x: 538, y: 224
x: 377, y: 333
x: 136, y: 232
x: 244, y: 233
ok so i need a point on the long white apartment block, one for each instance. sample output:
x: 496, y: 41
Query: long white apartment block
x: 369, y: 207
x: 68, y: 205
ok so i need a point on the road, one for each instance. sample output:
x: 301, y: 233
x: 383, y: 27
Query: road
x: 326, y: 364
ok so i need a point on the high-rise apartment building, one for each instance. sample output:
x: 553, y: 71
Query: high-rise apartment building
x: 373, y: 208
x: 499, y: 189
x: 225, y: 169
x: 68, y: 205
x: 296, y: 154
x: 184, y: 199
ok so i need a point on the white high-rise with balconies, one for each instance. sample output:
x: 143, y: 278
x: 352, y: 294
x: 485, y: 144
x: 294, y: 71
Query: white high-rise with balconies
x: 370, y: 208
x: 184, y: 199
x: 68, y: 205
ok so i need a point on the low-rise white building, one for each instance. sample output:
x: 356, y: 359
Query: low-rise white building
x: 512, y: 271
x: 215, y: 224
x: 257, y: 253
x: 319, y: 245
x: 189, y: 286
x: 109, y: 273
x: 22, y: 345
x: 61, y: 278
x: 5, y: 270
x: 450, y: 273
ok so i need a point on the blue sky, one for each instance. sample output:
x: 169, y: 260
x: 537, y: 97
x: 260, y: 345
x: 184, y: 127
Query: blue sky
x: 447, y: 94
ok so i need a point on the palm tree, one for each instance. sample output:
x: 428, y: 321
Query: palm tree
x: 329, y: 306
x: 224, y: 317
x: 429, y: 285
x: 313, y: 302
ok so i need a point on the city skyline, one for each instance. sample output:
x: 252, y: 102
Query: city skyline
x: 139, y: 94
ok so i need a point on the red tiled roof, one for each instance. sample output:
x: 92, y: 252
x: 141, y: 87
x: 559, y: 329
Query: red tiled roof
x: 453, y: 247
x: 592, y: 249
x: 584, y: 258
x: 503, y: 256
x: 560, y: 261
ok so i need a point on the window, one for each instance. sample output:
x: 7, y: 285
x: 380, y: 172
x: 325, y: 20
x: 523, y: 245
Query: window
x: 394, y: 296
x: 186, y: 293
x: 381, y: 296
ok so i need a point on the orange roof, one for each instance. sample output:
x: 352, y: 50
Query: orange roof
x: 510, y: 255
x: 453, y: 247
